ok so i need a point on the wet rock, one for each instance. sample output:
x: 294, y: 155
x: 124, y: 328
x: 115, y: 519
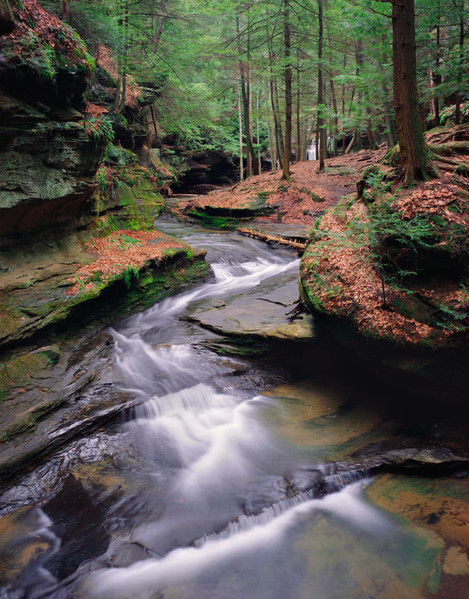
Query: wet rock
x: 77, y: 519
x: 225, y: 216
x: 48, y: 160
x: 432, y: 506
x: 260, y: 314
x: 23, y: 543
x: 59, y: 403
x: 36, y: 298
x: 129, y: 553
x: 437, y: 461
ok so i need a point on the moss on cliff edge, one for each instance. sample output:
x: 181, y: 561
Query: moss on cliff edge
x: 78, y: 288
x: 394, y: 269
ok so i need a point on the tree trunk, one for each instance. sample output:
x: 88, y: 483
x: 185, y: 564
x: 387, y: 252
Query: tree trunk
x: 116, y: 102
x: 247, y: 126
x: 413, y: 150
x: 320, y: 125
x: 388, y: 105
x: 359, y: 59
x: 335, y: 132
x: 251, y: 156
x: 245, y: 98
x: 259, y: 160
x: 299, y: 146
x: 272, y: 144
x: 277, y: 124
x: 334, y: 124
x: 437, y: 69
x: 460, y: 65
x: 125, y: 55
x: 159, y: 29
x: 288, y: 94
x: 240, y: 125
x: 153, y: 119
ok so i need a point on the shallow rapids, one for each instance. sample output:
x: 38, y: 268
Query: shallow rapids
x: 216, y: 467
x: 213, y: 486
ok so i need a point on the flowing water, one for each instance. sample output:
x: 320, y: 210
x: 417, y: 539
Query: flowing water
x: 208, y: 490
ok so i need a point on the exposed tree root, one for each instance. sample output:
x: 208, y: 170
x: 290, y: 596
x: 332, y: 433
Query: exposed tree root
x: 451, y: 148
x: 458, y: 132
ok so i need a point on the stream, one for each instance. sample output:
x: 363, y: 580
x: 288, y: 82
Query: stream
x: 227, y: 481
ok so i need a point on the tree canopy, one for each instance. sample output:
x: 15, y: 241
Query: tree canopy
x: 264, y: 79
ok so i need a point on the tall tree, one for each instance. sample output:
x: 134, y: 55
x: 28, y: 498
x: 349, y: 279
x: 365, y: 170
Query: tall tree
x: 321, y: 131
x: 462, y: 35
x: 288, y: 91
x: 414, y: 155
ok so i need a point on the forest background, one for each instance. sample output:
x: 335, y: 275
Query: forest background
x: 251, y: 78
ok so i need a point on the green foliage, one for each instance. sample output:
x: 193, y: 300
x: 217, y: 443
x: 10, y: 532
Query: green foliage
x: 448, y: 113
x: 316, y: 198
x: 99, y: 128
x: 377, y: 184
x: 387, y: 224
x: 130, y: 274
x: 125, y: 242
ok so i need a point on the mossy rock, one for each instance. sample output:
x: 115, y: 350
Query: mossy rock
x: 132, y: 204
x: 226, y: 217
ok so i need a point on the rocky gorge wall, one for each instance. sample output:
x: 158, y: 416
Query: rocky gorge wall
x: 78, y: 248
x: 49, y: 153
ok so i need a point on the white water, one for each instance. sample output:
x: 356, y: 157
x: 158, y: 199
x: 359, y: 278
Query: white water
x: 144, y: 579
x: 311, y: 152
x: 210, y: 455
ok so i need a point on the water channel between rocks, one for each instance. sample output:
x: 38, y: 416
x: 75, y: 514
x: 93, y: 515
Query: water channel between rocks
x: 228, y: 481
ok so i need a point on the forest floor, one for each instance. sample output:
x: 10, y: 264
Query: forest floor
x: 300, y: 201
x: 392, y: 261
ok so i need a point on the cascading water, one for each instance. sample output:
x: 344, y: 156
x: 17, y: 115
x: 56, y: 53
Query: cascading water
x: 213, y: 460
x: 210, y: 501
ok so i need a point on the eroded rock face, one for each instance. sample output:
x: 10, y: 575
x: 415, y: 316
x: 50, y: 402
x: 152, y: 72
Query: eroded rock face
x: 206, y: 171
x: 48, y: 159
x: 48, y: 164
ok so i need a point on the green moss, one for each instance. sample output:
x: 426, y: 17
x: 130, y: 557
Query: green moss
x: 18, y: 370
x: 216, y: 222
x: 317, y: 198
x: 127, y: 198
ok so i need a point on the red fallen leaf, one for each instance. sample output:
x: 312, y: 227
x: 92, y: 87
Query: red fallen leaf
x: 117, y: 251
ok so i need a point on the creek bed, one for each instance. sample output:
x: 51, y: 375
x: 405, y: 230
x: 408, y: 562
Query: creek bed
x: 238, y: 475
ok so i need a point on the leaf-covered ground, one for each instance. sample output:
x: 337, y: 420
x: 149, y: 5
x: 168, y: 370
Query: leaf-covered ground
x: 343, y: 276
x: 119, y: 251
x: 300, y: 200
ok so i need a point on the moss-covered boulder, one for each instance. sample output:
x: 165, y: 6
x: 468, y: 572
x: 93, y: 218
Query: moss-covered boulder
x: 388, y: 276
x: 127, y: 195
x: 84, y: 279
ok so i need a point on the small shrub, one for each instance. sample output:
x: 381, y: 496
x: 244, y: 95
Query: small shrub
x: 317, y: 198
x: 99, y: 128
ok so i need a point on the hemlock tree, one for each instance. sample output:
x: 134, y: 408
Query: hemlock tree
x: 414, y: 155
